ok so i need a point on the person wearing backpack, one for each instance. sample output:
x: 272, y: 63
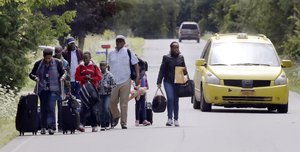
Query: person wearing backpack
x: 120, y: 61
x: 47, y: 72
x: 88, y: 71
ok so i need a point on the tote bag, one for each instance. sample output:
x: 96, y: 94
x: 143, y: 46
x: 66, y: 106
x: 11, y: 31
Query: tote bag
x: 186, y: 89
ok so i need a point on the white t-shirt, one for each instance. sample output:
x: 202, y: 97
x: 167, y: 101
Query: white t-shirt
x: 73, y: 65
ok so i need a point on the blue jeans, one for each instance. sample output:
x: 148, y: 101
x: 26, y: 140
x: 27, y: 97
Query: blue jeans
x: 47, y: 103
x: 75, y: 88
x: 105, y: 116
x: 140, y: 108
x: 172, y: 100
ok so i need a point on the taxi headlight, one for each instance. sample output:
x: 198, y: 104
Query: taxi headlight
x: 281, y: 79
x: 211, y: 78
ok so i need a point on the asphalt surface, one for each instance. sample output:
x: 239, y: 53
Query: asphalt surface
x: 226, y: 130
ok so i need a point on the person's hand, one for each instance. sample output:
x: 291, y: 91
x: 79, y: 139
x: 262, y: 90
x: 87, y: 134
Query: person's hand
x: 184, y: 71
x: 88, y: 77
x: 137, y: 87
x: 36, y: 79
x: 159, y: 85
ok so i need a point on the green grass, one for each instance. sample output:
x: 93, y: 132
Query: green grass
x: 8, y: 131
x: 293, y: 74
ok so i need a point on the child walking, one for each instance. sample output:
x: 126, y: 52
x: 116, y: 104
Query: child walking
x: 140, y: 105
x: 106, y: 85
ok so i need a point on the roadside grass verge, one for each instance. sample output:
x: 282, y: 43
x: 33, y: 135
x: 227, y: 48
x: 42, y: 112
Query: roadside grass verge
x: 293, y: 74
x: 8, y: 131
x: 8, y: 102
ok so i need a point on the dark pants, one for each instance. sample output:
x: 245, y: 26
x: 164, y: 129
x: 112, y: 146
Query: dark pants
x: 84, y: 111
x: 105, y: 113
x: 47, y: 103
x: 59, y: 113
x: 140, y: 108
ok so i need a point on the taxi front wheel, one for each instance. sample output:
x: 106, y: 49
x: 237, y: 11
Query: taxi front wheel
x: 205, y: 107
x: 282, y: 108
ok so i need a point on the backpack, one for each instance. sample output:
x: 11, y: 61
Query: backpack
x: 142, y: 64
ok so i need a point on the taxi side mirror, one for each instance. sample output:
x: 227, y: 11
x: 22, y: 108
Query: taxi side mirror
x: 200, y: 62
x: 286, y: 63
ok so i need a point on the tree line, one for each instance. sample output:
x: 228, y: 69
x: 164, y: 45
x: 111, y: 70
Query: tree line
x: 26, y: 24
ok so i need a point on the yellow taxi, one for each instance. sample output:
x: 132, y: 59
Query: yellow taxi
x: 241, y: 70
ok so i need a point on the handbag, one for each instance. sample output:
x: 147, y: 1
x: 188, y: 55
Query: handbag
x: 159, y: 102
x: 186, y: 89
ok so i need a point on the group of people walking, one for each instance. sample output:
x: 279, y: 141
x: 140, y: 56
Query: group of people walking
x: 111, y: 79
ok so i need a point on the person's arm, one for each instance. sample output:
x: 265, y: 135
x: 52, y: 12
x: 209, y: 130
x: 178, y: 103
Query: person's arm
x: 161, y: 72
x: 78, y: 76
x: 137, y: 70
x: 185, y: 69
x: 97, y: 76
x: 60, y: 68
x: 33, y: 74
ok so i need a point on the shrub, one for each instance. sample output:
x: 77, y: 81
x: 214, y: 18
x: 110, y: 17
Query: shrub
x: 8, y: 102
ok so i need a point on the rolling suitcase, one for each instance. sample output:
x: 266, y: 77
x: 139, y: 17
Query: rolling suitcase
x: 27, y: 119
x: 149, y: 114
x: 70, y: 115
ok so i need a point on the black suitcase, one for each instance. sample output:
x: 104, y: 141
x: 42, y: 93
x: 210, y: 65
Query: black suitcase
x: 27, y: 119
x: 149, y: 114
x: 70, y: 115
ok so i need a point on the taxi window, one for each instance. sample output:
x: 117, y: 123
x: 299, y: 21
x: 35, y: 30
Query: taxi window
x: 241, y: 53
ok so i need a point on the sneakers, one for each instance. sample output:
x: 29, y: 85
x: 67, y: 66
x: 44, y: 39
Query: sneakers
x: 169, y: 122
x: 146, y: 123
x: 176, y: 123
x: 137, y: 123
x: 124, y: 126
x: 43, y: 131
x: 94, y: 129
x: 81, y: 128
x: 102, y: 129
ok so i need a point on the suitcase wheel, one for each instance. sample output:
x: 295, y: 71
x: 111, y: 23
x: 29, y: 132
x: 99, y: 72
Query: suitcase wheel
x: 21, y: 133
x: 65, y: 132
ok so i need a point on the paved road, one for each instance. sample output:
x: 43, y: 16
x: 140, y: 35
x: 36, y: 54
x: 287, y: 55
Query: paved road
x: 226, y: 130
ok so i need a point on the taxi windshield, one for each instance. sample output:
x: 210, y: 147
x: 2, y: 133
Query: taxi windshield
x: 243, y: 54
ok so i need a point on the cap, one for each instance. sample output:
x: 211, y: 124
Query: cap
x: 70, y: 40
x: 121, y: 37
